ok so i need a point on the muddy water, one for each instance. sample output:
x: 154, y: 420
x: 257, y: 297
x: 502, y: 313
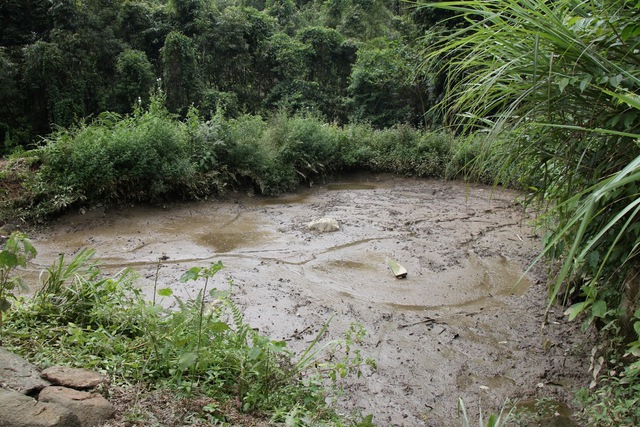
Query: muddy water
x: 464, y: 323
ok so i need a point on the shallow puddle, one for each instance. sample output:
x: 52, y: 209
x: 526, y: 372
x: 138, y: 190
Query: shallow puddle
x: 350, y: 186
x: 547, y: 412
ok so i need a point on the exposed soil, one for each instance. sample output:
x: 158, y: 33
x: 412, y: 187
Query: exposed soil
x: 459, y: 325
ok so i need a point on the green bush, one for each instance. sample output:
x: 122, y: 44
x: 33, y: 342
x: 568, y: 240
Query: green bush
x: 401, y: 150
x: 279, y: 154
x: 151, y: 156
x: 142, y: 157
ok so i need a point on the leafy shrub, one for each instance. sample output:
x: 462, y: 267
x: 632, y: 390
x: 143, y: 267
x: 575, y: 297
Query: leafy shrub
x: 402, y: 150
x: 142, y: 157
x: 150, y: 156
x: 279, y: 154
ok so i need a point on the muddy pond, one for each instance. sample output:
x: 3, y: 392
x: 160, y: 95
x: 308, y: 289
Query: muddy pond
x: 460, y: 325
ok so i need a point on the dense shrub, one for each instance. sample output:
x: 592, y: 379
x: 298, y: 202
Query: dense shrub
x: 142, y: 157
x: 151, y: 156
x: 402, y: 150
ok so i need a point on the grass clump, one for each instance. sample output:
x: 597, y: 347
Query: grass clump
x: 202, y: 350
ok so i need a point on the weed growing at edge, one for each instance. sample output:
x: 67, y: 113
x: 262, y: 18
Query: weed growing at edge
x: 16, y: 252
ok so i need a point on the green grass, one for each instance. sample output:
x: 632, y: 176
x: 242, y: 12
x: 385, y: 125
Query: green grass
x: 82, y: 318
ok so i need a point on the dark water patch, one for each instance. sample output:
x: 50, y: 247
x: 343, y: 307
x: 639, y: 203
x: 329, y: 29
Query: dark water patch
x: 223, y: 241
x: 351, y: 186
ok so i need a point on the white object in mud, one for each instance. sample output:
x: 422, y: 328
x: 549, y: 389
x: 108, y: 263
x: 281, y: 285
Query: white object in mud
x: 399, y: 271
x: 324, y: 225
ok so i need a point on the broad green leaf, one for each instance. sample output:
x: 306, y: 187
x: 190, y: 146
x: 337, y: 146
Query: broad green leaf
x: 187, y: 360
x: 8, y: 259
x: 599, y: 309
x: 576, y: 309
x: 192, y: 274
x: 627, y: 32
x: 29, y: 249
x: 585, y: 82
x: 165, y: 292
x: 214, y: 268
x: 562, y: 83
x: 217, y: 327
x: 629, y: 118
x: 615, y: 80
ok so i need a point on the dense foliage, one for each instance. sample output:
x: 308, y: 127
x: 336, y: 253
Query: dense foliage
x: 152, y: 156
x: 550, y: 91
x: 64, y: 60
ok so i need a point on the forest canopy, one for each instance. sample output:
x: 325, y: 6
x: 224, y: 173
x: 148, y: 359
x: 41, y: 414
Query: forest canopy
x: 345, y: 61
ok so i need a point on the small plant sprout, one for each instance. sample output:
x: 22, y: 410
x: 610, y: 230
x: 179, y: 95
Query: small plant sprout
x: 16, y: 252
x: 196, y: 273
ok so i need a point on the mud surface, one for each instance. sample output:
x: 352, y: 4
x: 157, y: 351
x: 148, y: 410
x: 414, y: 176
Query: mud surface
x: 457, y: 326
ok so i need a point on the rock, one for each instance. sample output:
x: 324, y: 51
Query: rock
x: 91, y: 408
x: 19, y: 375
x: 57, y: 406
x: 18, y: 410
x: 73, y: 377
x: 324, y: 225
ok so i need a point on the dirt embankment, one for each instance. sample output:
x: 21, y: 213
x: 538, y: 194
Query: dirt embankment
x: 460, y: 324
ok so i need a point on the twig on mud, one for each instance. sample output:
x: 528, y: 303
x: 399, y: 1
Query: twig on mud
x: 456, y: 218
x: 298, y: 334
x: 430, y: 320
x: 427, y: 321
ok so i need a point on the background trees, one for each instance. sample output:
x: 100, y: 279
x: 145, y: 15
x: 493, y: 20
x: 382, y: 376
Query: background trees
x: 67, y: 60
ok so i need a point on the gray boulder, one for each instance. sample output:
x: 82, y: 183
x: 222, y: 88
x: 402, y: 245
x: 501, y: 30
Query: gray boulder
x: 91, y: 408
x: 77, y: 378
x: 18, y: 410
x: 19, y: 375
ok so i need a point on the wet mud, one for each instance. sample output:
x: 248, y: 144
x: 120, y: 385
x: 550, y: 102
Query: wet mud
x: 464, y: 323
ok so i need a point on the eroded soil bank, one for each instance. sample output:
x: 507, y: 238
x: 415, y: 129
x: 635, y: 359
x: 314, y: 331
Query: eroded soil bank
x: 457, y: 326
